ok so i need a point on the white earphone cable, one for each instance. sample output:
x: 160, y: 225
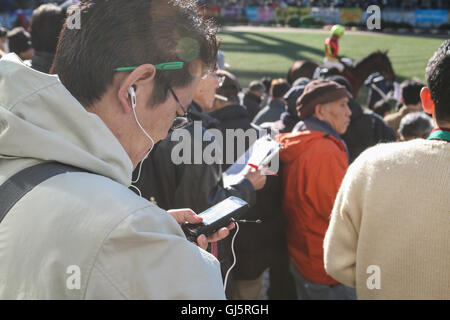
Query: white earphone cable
x: 234, y: 257
x: 146, y: 156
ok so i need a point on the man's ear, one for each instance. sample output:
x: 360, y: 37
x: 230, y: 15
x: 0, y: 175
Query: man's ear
x: 142, y: 76
x: 318, y: 111
x: 427, y: 102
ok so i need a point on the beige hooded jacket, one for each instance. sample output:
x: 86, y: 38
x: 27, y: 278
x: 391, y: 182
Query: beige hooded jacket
x: 81, y: 235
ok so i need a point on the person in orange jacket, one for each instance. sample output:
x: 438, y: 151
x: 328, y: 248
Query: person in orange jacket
x: 315, y: 160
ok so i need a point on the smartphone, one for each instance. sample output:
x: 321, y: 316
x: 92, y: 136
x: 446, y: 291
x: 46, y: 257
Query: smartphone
x: 215, y: 218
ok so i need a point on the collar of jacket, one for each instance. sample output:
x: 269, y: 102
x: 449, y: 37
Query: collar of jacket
x: 289, y: 120
x: 195, y: 113
x: 230, y: 112
x: 314, y: 124
x: 42, y: 61
x: 355, y: 108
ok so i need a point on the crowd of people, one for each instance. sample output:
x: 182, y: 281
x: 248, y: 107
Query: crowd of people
x: 10, y: 5
x: 358, y: 208
x: 395, y: 4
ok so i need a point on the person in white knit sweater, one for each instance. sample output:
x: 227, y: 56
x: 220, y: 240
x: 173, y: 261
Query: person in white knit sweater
x: 389, y: 234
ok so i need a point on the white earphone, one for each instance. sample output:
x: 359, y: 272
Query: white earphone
x: 132, y: 94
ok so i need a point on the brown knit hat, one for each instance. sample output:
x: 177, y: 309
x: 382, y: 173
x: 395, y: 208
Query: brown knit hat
x: 319, y: 92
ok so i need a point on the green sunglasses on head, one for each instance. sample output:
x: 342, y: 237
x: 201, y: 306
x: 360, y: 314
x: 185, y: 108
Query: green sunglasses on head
x: 161, y: 66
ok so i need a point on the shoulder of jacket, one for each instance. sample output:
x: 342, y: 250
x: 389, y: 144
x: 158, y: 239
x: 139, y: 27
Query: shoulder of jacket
x: 99, y: 192
x: 393, y: 116
x: 388, y: 154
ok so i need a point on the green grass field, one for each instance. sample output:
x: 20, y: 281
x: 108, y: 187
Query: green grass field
x: 252, y: 55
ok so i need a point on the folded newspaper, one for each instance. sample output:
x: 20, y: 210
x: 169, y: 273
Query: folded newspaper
x: 258, y: 155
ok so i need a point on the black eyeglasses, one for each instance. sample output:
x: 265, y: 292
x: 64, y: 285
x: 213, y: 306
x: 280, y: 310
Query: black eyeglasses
x: 179, y: 121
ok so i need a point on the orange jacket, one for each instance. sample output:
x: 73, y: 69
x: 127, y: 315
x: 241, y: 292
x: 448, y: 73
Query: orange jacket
x: 314, y: 165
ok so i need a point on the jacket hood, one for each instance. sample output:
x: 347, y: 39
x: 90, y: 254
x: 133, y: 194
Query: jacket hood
x: 295, y: 143
x: 305, y: 133
x: 40, y: 119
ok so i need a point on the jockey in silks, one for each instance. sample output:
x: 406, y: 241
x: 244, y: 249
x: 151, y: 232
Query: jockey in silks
x: 331, y: 59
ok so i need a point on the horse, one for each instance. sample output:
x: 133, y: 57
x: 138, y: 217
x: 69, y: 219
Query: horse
x: 356, y: 74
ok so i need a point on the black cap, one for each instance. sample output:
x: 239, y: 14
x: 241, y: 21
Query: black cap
x: 291, y: 98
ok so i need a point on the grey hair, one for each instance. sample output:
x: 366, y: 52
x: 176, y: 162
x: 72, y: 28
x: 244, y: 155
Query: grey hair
x: 416, y: 125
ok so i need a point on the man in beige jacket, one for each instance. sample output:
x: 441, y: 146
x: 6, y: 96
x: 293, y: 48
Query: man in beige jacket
x: 125, y: 70
x: 410, y: 103
x: 389, y: 231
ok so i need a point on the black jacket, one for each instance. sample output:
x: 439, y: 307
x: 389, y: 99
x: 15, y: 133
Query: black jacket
x: 260, y: 246
x: 271, y: 112
x: 42, y: 61
x: 234, y: 117
x: 286, y: 123
x: 252, y: 103
x: 366, y: 129
x: 194, y: 186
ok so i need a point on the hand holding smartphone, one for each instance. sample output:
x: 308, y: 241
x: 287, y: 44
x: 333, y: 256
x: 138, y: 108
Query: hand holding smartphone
x: 215, y: 218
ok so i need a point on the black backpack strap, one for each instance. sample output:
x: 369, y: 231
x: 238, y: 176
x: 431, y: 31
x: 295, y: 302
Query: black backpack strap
x: 24, y: 181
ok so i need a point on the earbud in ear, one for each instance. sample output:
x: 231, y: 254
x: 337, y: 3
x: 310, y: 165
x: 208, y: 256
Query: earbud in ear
x: 132, y: 94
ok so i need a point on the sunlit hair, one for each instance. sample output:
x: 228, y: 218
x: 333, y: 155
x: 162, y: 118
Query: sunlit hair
x: 116, y: 34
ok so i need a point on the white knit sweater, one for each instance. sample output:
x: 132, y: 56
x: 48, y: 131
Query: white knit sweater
x: 389, y: 234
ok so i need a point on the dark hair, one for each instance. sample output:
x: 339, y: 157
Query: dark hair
x: 266, y: 81
x: 416, y: 125
x: 411, y: 91
x: 19, y: 40
x: 257, y: 85
x: 3, y: 32
x: 46, y: 24
x: 381, y: 107
x: 291, y: 98
x: 117, y: 34
x: 438, y: 79
x: 279, y: 87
